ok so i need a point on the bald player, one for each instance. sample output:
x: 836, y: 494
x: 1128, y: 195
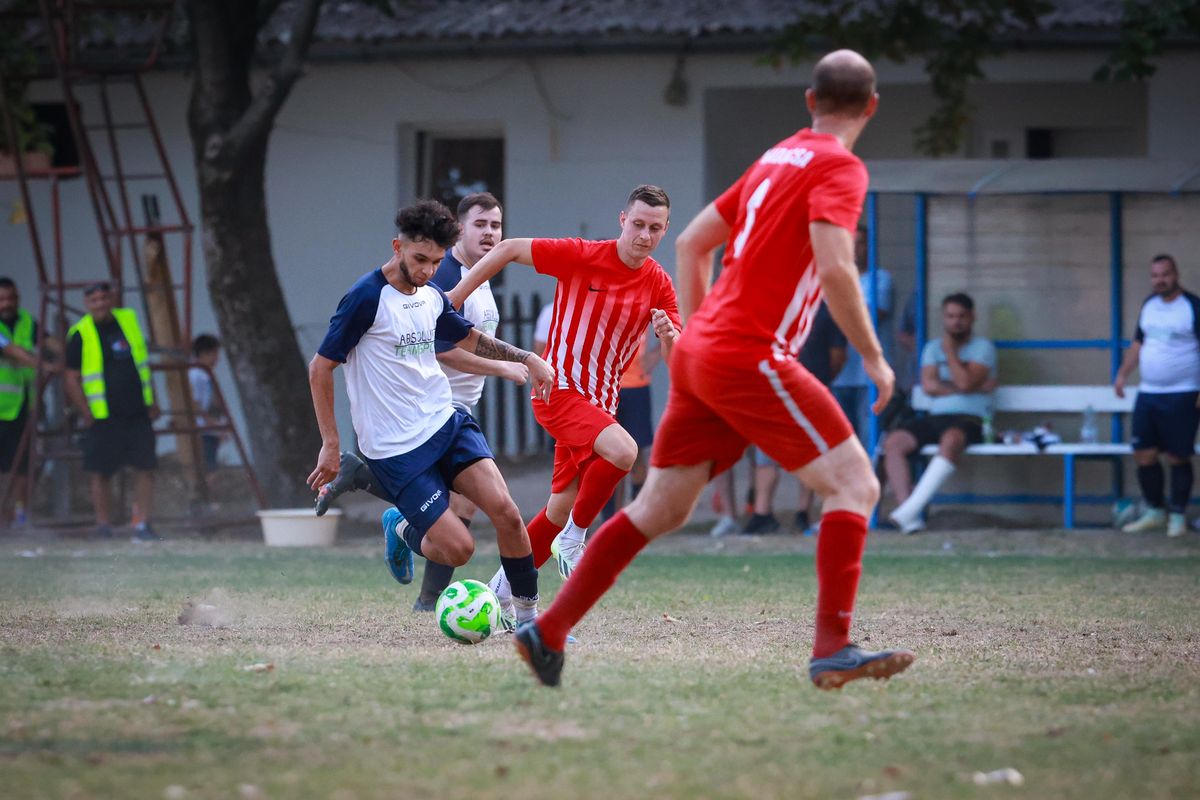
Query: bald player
x: 788, y: 227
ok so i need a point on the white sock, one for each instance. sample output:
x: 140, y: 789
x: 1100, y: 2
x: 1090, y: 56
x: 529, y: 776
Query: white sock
x: 935, y: 475
x: 572, y: 535
x: 500, y: 587
x: 526, y: 608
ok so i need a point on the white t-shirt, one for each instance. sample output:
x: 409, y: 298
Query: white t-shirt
x: 1170, y: 337
x: 399, y: 396
x: 481, y: 311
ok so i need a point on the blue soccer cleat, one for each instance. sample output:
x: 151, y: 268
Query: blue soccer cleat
x: 852, y: 662
x: 399, y: 556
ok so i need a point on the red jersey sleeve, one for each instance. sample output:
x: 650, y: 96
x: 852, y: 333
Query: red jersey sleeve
x: 727, y: 204
x: 837, y: 196
x: 557, y: 257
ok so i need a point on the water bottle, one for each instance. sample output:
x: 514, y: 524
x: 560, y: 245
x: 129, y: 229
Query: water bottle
x: 1088, y: 433
x: 989, y: 433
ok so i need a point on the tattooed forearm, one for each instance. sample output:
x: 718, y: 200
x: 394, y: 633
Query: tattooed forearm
x: 487, y: 347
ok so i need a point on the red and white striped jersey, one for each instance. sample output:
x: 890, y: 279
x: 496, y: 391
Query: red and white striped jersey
x: 601, y: 310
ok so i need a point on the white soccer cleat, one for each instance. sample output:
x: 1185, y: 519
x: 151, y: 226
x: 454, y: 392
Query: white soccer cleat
x: 725, y: 526
x: 1176, y: 525
x: 908, y: 525
x: 566, y: 555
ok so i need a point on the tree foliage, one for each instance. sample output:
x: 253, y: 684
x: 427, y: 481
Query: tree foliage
x: 954, y: 37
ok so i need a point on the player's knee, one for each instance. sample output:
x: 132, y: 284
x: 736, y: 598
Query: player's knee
x: 623, y: 454
x: 459, y: 550
x: 506, y: 517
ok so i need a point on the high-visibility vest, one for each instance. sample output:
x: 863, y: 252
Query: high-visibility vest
x: 16, y: 380
x: 92, y: 361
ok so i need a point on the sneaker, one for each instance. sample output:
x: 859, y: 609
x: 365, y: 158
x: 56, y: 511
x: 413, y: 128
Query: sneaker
x: 143, y: 533
x: 565, y: 556
x: 546, y: 664
x: 425, y: 603
x: 760, y: 524
x: 508, y: 610
x: 724, y: 526
x: 399, y: 557
x: 1176, y: 525
x: 800, y: 524
x: 343, y: 482
x: 1151, y: 519
x: 852, y: 662
x: 908, y: 526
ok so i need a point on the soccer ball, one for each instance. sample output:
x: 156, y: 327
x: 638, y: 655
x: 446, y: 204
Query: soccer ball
x: 468, y: 612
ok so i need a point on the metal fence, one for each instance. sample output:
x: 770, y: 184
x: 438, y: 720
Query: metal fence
x: 504, y: 412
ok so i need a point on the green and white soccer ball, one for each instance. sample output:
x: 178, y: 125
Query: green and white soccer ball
x: 468, y: 612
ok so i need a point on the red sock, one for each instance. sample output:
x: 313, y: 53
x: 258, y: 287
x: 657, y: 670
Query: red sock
x: 840, y: 544
x: 611, y: 550
x: 596, y: 485
x: 541, y: 533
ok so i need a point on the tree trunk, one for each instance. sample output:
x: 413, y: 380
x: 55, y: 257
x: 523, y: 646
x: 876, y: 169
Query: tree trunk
x: 257, y: 330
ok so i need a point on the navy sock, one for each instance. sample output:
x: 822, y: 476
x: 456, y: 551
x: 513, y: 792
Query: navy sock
x: 522, y: 575
x: 1181, y: 486
x: 412, y: 537
x: 1151, y: 479
x: 435, y: 580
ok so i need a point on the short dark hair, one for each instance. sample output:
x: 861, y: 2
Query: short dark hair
x: 205, y: 343
x: 8, y: 283
x: 842, y: 83
x: 651, y: 195
x: 1170, y: 259
x: 485, y: 200
x: 428, y: 220
x: 959, y: 299
x: 98, y: 286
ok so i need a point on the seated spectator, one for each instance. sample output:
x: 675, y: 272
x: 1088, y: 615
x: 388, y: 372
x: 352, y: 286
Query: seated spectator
x: 958, y: 373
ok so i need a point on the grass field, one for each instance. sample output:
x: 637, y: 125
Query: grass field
x: 1075, y: 661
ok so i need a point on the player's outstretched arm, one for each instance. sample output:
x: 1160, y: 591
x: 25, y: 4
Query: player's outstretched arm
x: 508, y: 250
x: 489, y: 347
x: 833, y: 251
x: 320, y: 382
x: 472, y: 364
x: 694, y: 252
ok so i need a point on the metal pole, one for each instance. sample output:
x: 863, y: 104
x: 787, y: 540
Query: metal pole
x: 1116, y: 266
x: 873, y: 302
x: 922, y: 269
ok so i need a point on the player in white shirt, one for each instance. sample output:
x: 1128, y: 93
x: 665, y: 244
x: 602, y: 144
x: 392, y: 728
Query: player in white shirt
x: 416, y: 443
x: 1166, y: 351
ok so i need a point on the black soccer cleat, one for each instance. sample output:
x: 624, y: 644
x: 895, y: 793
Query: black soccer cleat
x: 348, y: 466
x: 852, y: 662
x: 546, y: 664
x: 425, y: 603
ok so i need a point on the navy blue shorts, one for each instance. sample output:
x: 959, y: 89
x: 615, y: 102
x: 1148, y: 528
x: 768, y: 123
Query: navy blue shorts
x: 419, y: 481
x: 1166, y: 422
x: 633, y: 414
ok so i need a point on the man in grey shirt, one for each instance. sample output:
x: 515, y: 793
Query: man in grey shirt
x: 958, y: 373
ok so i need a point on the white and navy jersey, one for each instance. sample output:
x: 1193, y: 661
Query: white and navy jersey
x: 1170, y: 337
x: 399, y: 396
x: 481, y: 311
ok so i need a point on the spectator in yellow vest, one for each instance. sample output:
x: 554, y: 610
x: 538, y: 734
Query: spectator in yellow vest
x: 18, y: 343
x: 108, y: 382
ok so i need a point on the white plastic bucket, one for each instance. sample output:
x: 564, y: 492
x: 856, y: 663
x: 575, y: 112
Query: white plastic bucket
x: 299, y: 527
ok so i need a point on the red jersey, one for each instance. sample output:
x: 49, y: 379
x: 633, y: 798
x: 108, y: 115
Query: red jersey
x: 601, y: 310
x: 768, y: 293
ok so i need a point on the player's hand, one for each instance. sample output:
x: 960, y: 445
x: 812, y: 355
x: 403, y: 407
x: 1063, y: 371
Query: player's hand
x: 664, y: 329
x: 542, y: 375
x: 327, y: 467
x: 1119, y: 388
x: 884, y: 379
x: 517, y: 373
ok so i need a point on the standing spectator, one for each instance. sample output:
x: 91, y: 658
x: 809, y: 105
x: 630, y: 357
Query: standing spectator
x: 823, y: 354
x: 108, y: 382
x: 206, y: 349
x: 1166, y: 351
x: 18, y: 338
x: 541, y: 329
x: 958, y: 374
x: 852, y: 387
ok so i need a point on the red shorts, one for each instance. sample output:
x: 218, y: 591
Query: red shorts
x: 574, y: 423
x: 715, y: 410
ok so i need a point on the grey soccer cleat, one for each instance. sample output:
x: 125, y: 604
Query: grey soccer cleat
x: 348, y: 466
x: 852, y: 662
